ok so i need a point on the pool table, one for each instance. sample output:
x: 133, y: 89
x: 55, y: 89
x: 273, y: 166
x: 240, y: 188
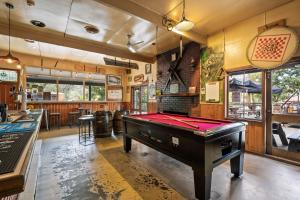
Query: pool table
x: 198, y: 142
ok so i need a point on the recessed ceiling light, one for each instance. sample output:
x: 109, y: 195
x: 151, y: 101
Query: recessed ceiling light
x: 38, y: 23
x: 91, y: 29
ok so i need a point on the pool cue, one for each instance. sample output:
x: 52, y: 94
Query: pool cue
x: 201, y: 121
x: 192, y: 120
x: 192, y: 125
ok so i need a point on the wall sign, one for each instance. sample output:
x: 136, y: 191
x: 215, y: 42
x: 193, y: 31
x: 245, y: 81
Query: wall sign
x: 138, y: 78
x: 8, y: 75
x: 272, y: 47
x: 212, y: 92
x: 114, y: 93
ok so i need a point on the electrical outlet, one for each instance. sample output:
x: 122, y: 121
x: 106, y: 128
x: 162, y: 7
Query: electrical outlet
x: 175, y: 141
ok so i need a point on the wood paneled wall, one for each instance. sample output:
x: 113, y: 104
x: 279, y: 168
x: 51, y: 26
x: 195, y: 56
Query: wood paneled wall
x: 65, y: 107
x: 255, y: 141
x: 5, y: 96
x: 152, y: 107
x: 255, y: 135
x: 213, y: 111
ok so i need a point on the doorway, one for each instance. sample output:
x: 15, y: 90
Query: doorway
x: 139, y: 98
x: 283, y: 111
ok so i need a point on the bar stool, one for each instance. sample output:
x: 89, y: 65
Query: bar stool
x: 73, y: 118
x: 55, y: 118
x: 85, y: 126
x: 46, y: 118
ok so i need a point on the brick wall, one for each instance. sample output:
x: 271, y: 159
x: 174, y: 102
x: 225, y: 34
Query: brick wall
x: 190, y: 76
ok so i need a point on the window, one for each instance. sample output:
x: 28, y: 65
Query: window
x: 39, y: 89
x: 8, y: 75
x: 70, y: 91
x: 61, y: 85
x: 94, y: 91
x: 245, y: 95
x: 286, y: 90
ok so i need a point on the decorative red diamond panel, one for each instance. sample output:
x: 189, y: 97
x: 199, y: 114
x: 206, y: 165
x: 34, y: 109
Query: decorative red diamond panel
x: 270, y: 47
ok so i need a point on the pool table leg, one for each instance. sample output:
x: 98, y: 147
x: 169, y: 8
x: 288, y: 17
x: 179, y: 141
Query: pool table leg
x: 237, y: 165
x: 126, y: 143
x: 202, y: 182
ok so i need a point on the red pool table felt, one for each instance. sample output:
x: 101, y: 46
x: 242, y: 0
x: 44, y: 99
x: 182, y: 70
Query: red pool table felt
x: 164, y: 119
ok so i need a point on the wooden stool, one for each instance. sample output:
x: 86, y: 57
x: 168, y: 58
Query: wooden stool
x: 55, y: 117
x: 73, y: 118
x: 85, y: 126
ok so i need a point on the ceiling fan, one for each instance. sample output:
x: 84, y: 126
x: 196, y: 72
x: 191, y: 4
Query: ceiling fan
x: 131, y: 46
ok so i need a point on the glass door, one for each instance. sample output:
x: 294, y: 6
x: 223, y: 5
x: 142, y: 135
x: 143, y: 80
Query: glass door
x: 283, y: 112
x: 139, y: 98
x: 144, y: 98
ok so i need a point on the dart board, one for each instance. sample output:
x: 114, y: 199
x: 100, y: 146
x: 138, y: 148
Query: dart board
x: 272, y: 48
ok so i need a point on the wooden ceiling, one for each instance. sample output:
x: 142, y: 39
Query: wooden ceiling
x: 211, y: 16
x: 65, y: 21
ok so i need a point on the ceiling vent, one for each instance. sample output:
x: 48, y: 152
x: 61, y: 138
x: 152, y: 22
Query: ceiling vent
x: 38, y: 23
x: 30, y: 2
x: 91, y: 29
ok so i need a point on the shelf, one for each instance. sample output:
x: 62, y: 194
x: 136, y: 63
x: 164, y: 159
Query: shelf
x: 179, y: 95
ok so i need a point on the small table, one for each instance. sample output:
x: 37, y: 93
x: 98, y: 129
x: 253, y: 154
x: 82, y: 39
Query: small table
x: 294, y: 144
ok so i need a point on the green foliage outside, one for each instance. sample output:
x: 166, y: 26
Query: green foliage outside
x: 288, y: 80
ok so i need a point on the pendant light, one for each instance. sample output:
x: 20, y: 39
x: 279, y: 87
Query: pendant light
x: 184, y: 24
x: 9, y: 58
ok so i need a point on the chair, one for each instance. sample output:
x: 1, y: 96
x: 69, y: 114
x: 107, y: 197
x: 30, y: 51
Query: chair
x: 55, y: 119
x: 277, y: 130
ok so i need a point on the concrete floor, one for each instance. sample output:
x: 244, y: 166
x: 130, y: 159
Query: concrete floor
x: 103, y: 171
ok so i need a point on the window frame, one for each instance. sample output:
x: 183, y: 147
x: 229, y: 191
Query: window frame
x: 58, y: 81
x: 263, y: 91
x: 94, y: 83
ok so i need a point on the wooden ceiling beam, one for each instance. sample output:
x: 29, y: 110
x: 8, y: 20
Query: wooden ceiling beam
x: 57, y: 38
x: 149, y: 15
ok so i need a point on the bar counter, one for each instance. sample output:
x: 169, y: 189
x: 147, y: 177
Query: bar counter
x: 14, y: 182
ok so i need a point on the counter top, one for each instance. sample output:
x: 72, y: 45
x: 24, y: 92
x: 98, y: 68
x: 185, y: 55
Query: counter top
x: 14, y: 182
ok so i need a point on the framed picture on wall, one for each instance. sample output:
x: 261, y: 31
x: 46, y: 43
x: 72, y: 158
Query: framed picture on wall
x: 148, y: 69
x: 114, y: 80
x: 114, y: 93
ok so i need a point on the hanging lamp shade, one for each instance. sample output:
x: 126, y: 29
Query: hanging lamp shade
x: 184, y: 25
x: 9, y: 58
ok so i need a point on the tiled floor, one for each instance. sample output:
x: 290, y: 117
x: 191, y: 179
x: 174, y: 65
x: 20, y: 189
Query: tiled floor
x: 103, y: 171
